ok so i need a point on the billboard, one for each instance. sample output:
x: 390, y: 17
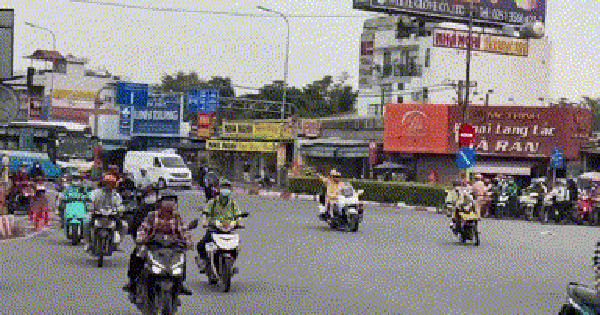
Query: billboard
x: 485, y: 12
x: 258, y: 130
x: 488, y: 43
x: 204, y: 126
x: 227, y: 145
x: 416, y: 128
x: 161, y: 116
x: 7, y: 17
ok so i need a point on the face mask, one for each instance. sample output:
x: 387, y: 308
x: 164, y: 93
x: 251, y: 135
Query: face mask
x: 225, y: 192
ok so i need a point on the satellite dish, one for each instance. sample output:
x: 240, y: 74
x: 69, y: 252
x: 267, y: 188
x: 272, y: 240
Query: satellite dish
x: 10, y: 104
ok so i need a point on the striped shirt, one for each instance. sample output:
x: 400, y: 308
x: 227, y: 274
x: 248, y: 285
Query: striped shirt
x: 172, y: 228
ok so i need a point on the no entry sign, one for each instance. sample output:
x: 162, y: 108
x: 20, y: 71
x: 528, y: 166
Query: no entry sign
x: 466, y: 134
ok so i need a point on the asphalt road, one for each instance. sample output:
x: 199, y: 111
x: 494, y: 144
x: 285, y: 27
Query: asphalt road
x: 399, y: 262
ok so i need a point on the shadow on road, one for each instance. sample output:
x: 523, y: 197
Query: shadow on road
x: 203, y: 287
x: 456, y: 243
x: 60, y: 242
x: 321, y: 228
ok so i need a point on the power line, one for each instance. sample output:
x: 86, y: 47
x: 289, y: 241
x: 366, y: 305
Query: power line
x: 178, y: 10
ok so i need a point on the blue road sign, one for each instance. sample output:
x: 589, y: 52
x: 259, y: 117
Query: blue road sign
x: 558, y: 158
x: 130, y: 96
x: 125, y: 119
x: 465, y: 158
x: 133, y: 94
x: 161, y: 116
x: 200, y: 100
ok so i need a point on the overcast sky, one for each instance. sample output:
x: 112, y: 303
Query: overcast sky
x: 143, y: 45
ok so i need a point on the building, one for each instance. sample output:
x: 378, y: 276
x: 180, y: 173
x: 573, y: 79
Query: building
x: 514, y: 140
x: 413, y: 61
x: 257, y: 147
x: 347, y: 143
x: 70, y: 84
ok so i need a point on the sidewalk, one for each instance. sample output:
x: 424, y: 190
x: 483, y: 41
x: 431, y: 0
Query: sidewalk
x: 22, y: 228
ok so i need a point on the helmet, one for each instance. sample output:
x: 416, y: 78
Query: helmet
x: 40, y: 188
x: 167, y: 194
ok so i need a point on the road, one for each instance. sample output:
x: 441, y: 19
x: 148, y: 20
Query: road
x: 399, y: 262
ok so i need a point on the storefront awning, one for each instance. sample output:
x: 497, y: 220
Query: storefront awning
x: 353, y: 152
x: 508, y: 168
x: 319, y: 151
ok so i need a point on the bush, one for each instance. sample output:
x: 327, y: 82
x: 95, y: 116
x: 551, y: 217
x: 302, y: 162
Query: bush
x: 415, y: 194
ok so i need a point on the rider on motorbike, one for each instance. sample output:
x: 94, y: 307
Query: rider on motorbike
x: 126, y: 184
x: 106, y: 197
x: 220, y: 208
x: 36, y: 172
x: 334, y: 187
x: 561, y: 195
x: 164, y: 221
x: 465, y: 199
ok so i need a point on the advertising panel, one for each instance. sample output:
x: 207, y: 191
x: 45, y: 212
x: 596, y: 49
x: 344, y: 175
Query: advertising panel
x: 74, y: 94
x: 225, y: 145
x: 488, y: 43
x: 517, y: 131
x: 310, y: 128
x: 204, y: 126
x: 416, y: 128
x: 494, y: 12
x: 7, y: 17
x: 258, y: 130
x: 161, y: 116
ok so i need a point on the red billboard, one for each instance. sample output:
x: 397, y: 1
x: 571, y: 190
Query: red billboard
x: 416, y: 128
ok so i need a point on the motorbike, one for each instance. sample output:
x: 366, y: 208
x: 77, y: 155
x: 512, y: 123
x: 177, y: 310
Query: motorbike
x: 583, y: 209
x: 466, y: 229
x: 550, y: 212
x: 222, y: 252
x: 529, y: 203
x: 581, y: 299
x: 348, y: 212
x: 157, y: 288
x: 502, y: 205
x: 20, y: 199
x: 105, y: 236
x: 75, y: 214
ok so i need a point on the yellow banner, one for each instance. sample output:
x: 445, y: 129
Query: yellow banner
x: 258, y: 130
x: 224, y: 145
x: 74, y: 95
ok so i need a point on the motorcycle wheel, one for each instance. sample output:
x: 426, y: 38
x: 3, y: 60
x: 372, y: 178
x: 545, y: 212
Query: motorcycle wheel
x: 475, y: 234
x: 568, y: 310
x: 100, y: 261
x: 353, y: 223
x: 462, y: 235
x: 164, y: 303
x: 226, y: 271
x: 544, y: 218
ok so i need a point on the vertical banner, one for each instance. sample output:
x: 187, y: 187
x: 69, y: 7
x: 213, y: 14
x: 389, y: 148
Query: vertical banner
x: 204, y: 125
x: 281, y: 155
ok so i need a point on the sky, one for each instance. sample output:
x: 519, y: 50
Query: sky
x: 144, y: 45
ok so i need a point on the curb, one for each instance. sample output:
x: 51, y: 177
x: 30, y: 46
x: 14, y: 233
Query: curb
x: 275, y: 194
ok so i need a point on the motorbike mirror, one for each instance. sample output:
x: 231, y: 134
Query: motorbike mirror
x: 193, y: 224
x: 244, y: 215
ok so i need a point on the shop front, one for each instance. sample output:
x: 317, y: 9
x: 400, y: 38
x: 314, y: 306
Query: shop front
x: 512, y: 140
x: 236, y: 159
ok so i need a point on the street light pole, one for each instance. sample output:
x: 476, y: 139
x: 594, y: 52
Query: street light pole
x: 285, y: 76
x: 468, y: 61
x: 53, y: 49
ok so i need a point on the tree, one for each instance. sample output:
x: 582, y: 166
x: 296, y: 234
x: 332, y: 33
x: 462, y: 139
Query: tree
x: 595, y: 106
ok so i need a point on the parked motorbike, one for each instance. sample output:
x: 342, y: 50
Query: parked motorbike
x: 348, y: 211
x: 466, y: 229
x: 105, y: 236
x: 530, y: 202
x: 157, y: 288
x: 20, y: 199
x: 581, y: 299
x: 222, y: 252
x: 550, y: 211
x: 502, y: 205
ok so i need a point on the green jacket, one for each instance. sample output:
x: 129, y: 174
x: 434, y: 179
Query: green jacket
x: 216, y: 210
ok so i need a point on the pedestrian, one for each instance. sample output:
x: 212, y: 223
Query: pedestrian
x: 479, y: 191
x: 38, y: 210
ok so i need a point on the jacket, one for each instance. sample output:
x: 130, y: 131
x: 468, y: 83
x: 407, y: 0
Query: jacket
x: 216, y: 210
x: 100, y: 200
x: 171, y: 228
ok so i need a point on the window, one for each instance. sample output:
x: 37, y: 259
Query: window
x: 172, y: 162
x: 400, y: 100
x: 156, y: 162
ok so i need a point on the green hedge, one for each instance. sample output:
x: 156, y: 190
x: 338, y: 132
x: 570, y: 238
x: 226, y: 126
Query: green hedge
x: 415, y: 194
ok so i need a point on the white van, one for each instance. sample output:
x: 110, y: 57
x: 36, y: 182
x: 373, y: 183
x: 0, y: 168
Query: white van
x: 158, y: 168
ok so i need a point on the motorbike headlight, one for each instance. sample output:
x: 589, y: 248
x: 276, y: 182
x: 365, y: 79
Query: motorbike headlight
x: 179, y: 263
x: 156, y: 269
x: 155, y: 264
x: 177, y: 271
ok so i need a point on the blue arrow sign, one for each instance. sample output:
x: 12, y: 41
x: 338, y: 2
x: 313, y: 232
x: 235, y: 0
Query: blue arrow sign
x: 558, y: 158
x: 465, y: 158
x: 128, y: 97
x: 125, y: 120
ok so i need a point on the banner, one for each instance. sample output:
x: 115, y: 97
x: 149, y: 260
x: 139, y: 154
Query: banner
x: 488, y: 43
x: 204, y: 125
x: 258, y: 130
x: 224, y: 145
x: 161, y: 116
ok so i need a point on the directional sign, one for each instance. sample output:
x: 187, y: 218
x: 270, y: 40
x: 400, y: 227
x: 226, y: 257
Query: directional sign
x: 134, y: 94
x: 466, y: 134
x: 558, y: 158
x: 200, y: 100
x: 125, y: 120
x: 162, y: 116
x: 465, y: 158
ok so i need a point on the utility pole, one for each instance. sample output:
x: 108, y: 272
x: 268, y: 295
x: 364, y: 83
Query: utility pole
x: 465, y: 112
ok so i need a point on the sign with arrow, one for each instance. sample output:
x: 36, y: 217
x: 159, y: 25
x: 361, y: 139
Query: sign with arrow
x: 465, y: 158
x: 558, y: 158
